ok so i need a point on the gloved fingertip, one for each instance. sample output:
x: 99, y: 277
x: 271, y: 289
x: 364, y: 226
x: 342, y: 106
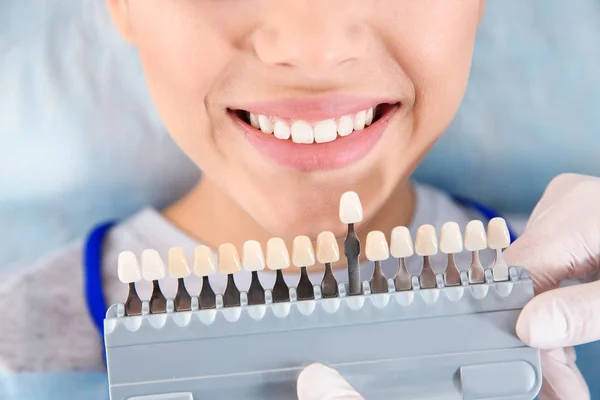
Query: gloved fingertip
x: 319, y: 382
x: 541, y: 323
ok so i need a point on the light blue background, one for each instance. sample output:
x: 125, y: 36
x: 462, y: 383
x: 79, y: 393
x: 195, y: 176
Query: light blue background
x: 80, y: 141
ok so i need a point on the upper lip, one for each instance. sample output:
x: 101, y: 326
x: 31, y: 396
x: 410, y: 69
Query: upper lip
x: 313, y: 108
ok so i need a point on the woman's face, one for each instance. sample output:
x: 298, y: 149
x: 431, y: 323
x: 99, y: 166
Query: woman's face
x: 286, y: 104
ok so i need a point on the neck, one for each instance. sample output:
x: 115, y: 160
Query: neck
x: 210, y: 216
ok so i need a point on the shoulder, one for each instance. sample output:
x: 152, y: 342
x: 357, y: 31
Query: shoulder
x: 45, y: 325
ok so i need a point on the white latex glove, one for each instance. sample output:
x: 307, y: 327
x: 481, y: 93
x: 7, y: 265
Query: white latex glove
x: 561, y: 241
x: 318, y: 382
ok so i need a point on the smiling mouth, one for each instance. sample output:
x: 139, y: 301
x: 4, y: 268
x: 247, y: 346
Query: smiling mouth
x: 308, y: 132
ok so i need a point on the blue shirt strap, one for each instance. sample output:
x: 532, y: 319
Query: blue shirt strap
x: 93, y: 274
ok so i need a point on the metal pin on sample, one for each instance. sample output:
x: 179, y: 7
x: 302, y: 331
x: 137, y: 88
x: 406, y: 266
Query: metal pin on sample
x: 179, y: 268
x: 278, y: 259
x: 253, y: 260
x: 153, y: 269
x: 351, y: 213
x: 475, y: 240
x: 303, y: 256
x: 229, y: 264
x: 377, y: 250
x: 451, y: 243
x: 129, y: 272
x: 498, y: 237
x: 401, y: 247
x: 204, y: 266
x: 426, y: 245
x: 328, y: 252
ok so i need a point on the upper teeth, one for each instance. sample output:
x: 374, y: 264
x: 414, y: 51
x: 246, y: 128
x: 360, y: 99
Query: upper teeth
x: 320, y: 132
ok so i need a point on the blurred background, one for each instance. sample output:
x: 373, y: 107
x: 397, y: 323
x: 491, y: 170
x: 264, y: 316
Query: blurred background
x: 80, y: 141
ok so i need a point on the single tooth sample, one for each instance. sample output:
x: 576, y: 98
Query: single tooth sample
x: 179, y: 268
x: 129, y: 272
x: 153, y: 269
x: 377, y: 250
x: 351, y: 213
x: 451, y: 243
x: 303, y: 256
x: 204, y: 266
x: 426, y: 245
x: 253, y: 260
x: 475, y: 241
x: 401, y: 247
x: 498, y: 237
x: 229, y: 264
x: 328, y: 253
x: 278, y: 259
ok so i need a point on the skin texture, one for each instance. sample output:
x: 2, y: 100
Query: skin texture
x: 201, y: 57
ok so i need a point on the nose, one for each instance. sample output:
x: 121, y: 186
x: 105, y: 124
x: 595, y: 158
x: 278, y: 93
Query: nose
x: 312, y: 36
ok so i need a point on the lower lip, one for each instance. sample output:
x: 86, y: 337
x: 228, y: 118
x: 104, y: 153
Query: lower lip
x: 339, y: 153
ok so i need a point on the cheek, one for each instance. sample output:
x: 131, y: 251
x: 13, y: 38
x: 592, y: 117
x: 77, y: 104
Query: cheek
x: 183, y: 57
x: 434, y: 45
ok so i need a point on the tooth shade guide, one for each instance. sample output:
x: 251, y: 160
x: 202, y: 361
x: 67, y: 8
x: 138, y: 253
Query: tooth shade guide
x: 182, y: 300
x: 329, y: 285
x: 204, y: 261
x: 452, y: 274
x: 475, y: 236
x: 158, y: 301
x: 231, y: 296
x: 207, y: 298
x: 256, y: 292
x: 153, y: 267
x: 350, y: 209
x: 179, y: 268
x: 178, y: 263
x: 128, y: 267
x: 253, y: 258
x: 402, y: 278
x: 328, y: 251
x: 229, y: 259
x: 278, y: 257
x: 280, y: 291
x: 133, y: 304
x: 401, y: 243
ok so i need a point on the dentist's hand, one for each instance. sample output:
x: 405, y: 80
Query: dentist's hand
x: 318, y: 382
x: 561, y: 241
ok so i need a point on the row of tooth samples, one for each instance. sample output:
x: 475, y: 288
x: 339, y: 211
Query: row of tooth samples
x: 277, y: 258
x: 253, y: 259
x: 426, y: 245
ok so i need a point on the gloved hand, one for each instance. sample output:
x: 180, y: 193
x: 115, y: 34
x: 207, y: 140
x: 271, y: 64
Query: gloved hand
x: 561, y: 241
x: 318, y: 382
